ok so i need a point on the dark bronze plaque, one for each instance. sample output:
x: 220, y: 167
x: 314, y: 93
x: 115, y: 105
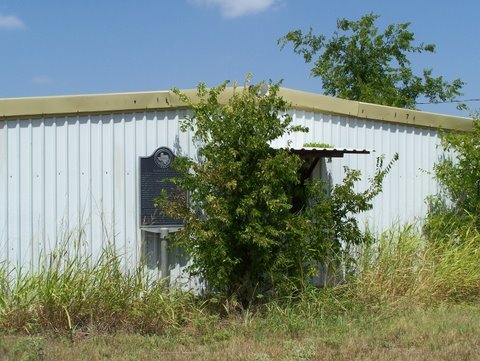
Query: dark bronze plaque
x: 155, y: 175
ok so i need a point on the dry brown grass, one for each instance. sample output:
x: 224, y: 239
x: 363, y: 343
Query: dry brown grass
x: 443, y: 333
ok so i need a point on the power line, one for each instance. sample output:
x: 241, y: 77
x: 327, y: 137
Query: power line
x: 452, y: 101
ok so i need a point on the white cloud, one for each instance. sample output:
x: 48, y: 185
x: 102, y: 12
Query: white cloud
x: 11, y: 22
x: 236, y: 8
x: 41, y: 80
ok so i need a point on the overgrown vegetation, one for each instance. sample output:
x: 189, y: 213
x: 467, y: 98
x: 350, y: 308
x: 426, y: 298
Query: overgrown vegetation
x: 241, y: 232
x: 361, y: 63
x: 239, y: 224
x: 74, y: 298
x: 71, y: 293
x: 403, y: 267
x: 454, y: 211
x: 331, y: 210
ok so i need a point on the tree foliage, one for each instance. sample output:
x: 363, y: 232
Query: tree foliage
x: 241, y: 217
x: 458, y: 173
x: 241, y: 231
x: 361, y: 63
x: 332, y: 209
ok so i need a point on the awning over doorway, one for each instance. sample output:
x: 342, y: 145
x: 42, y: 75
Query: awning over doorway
x: 312, y: 156
x: 337, y: 152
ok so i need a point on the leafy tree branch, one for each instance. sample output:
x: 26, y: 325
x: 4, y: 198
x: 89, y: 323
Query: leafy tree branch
x: 360, y: 62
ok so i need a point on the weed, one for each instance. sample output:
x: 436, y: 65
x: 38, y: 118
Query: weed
x: 73, y: 294
x: 403, y: 267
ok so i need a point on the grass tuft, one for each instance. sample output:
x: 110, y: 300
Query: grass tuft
x: 404, y: 267
x: 71, y: 293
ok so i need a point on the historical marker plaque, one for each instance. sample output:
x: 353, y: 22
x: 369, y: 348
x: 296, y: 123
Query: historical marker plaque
x: 155, y: 175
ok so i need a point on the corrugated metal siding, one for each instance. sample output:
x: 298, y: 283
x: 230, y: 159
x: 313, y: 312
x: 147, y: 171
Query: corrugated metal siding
x: 59, y: 176
x: 409, y: 182
x: 62, y: 176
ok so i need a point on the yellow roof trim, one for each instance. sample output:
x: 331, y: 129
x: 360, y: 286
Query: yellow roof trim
x: 321, y: 103
x: 38, y: 107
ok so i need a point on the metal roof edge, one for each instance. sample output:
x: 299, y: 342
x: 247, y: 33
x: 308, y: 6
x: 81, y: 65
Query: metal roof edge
x: 413, y: 117
x: 326, y: 104
x: 37, y: 107
x: 88, y: 103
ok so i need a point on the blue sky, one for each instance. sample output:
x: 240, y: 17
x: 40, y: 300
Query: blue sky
x: 55, y: 47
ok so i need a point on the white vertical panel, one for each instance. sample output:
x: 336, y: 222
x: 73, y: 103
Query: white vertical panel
x: 62, y: 217
x: 189, y: 135
x: 13, y: 195
x: 119, y: 182
x: 141, y: 151
x: 50, y: 180
x: 73, y: 181
x: 84, y: 182
x: 38, y: 191
x: 4, y: 190
x: 299, y: 137
x: 185, y: 138
x: 400, y: 170
x: 131, y: 216
x: 171, y: 136
x: 415, y: 184
x: 315, y: 133
x: 96, y: 184
x: 366, y: 165
x: 151, y: 136
x: 337, y: 141
x: 181, y: 141
x: 410, y: 173
x: 379, y: 203
x: 162, y: 129
x: 327, y: 129
x: 107, y: 155
x: 26, y: 181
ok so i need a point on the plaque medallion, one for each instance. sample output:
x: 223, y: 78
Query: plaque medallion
x: 163, y: 157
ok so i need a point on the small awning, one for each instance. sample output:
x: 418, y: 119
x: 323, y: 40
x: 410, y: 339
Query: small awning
x: 312, y: 156
x: 309, y: 152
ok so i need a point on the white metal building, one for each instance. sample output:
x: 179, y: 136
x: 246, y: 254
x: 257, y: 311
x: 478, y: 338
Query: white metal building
x: 71, y: 163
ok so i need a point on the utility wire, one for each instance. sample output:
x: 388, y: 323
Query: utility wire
x: 452, y: 101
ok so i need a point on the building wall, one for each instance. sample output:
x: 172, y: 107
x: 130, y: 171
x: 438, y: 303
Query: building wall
x: 410, y: 180
x: 62, y: 176
x: 77, y: 177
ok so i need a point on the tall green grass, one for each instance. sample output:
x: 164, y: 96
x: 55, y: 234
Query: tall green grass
x: 405, y: 267
x: 71, y: 292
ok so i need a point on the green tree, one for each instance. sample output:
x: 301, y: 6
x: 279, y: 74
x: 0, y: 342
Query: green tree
x: 457, y: 206
x: 240, y: 218
x: 361, y: 63
x: 241, y: 232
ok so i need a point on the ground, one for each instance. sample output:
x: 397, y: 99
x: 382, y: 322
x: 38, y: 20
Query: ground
x: 433, y: 333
